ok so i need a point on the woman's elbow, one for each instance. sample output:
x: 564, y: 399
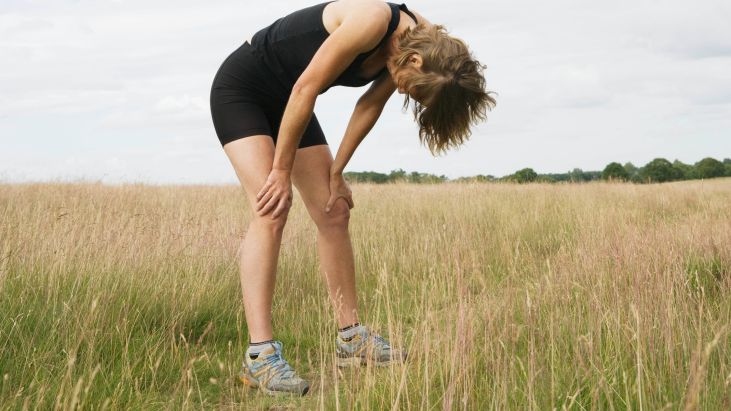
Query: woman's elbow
x: 306, y: 90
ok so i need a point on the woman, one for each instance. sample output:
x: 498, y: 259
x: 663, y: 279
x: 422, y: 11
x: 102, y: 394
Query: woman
x: 262, y: 103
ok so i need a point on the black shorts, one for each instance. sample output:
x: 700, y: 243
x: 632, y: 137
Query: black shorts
x: 246, y: 100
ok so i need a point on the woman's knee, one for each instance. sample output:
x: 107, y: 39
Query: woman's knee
x: 273, y: 225
x: 337, y: 218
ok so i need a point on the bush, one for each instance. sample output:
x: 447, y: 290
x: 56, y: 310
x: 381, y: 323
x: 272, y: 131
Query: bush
x: 526, y: 175
x: 686, y: 171
x: 615, y: 171
x: 709, y: 168
x: 660, y: 170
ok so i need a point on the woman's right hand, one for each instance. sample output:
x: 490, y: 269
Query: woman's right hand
x: 276, y: 192
x: 339, y: 188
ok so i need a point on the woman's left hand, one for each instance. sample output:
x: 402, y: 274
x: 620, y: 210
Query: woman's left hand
x: 339, y: 188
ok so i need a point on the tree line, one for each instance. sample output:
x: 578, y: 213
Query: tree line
x: 658, y: 170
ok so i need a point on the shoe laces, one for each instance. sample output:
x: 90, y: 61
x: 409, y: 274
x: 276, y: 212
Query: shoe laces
x: 380, y: 341
x: 279, y: 364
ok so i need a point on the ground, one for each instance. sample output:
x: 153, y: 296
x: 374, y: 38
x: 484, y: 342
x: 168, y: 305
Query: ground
x: 577, y: 296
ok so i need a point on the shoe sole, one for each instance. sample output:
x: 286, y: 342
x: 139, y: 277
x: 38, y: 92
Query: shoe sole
x: 249, y: 382
x: 359, y: 362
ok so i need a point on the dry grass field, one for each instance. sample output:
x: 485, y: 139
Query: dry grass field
x: 532, y: 297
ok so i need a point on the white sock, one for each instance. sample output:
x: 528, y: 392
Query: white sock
x: 348, y: 332
x: 256, y: 348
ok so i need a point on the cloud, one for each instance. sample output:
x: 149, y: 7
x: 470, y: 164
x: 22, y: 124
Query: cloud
x: 119, y: 89
x: 185, y: 104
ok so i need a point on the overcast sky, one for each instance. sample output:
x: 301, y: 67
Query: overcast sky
x: 118, y: 90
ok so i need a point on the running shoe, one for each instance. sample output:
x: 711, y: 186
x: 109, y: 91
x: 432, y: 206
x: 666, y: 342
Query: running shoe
x: 271, y: 373
x: 364, y: 347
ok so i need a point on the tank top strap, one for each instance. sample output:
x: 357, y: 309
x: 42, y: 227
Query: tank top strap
x: 395, y: 17
x: 406, y: 10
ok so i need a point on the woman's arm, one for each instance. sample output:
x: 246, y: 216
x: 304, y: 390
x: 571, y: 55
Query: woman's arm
x: 364, y: 117
x: 297, y: 114
x: 358, y: 32
x: 367, y: 111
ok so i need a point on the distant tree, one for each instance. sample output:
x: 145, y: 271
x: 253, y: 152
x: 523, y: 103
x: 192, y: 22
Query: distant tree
x: 632, y: 171
x: 631, y: 168
x: 525, y: 175
x: 557, y: 177
x: 396, y: 175
x: 477, y: 178
x: 685, y: 171
x: 615, y: 171
x: 709, y: 168
x: 425, y: 178
x: 577, y: 174
x: 365, y: 177
x: 592, y: 175
x: 659, y: 170
x: 545, y: 178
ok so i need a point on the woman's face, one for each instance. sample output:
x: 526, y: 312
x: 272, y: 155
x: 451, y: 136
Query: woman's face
x: 399, y: 73
x: 400, y: 81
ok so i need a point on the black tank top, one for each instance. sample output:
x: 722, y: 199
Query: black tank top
x: 288, y: 45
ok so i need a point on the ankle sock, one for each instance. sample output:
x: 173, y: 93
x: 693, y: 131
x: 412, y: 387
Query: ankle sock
x: 347, y: 333
x: 256, y: 348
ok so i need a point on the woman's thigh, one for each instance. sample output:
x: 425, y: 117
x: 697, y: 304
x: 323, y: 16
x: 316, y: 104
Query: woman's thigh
x: 252, y: 159
x: 311, y: 177
x: 245, y: 101
x: 242, y: 119
x: 312, y: 136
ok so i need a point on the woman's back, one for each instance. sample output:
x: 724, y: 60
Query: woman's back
x: 288, y: 44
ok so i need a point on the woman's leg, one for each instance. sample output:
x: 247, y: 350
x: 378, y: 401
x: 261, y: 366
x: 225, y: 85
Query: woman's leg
x: 252, y: 158
x: 311, y: 177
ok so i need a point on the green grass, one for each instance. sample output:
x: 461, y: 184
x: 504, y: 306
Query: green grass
x: 592, y: 296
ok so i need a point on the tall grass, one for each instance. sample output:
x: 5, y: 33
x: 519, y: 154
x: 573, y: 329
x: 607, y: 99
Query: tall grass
x: 593, y: 296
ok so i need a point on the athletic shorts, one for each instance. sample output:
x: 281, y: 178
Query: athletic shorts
x: 247, y: 100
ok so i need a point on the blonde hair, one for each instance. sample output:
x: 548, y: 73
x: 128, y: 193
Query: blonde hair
x: 450, y: 86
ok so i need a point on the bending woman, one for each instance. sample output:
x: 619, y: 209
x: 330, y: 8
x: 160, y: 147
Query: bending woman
x: 262, y: 103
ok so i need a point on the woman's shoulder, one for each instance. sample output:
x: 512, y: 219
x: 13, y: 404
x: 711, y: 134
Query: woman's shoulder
x: 419, y: 17
x: 336, y: 11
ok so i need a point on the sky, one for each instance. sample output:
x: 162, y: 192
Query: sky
x: 117, y: 90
